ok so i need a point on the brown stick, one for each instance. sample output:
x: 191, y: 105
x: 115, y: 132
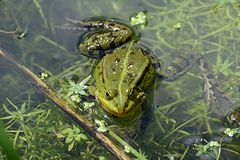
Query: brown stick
x: 67, y: 108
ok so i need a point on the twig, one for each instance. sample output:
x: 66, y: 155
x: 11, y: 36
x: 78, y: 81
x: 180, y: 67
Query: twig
x: 67, y: 108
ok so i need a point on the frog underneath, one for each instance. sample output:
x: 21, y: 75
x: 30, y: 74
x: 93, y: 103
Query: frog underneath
x: 126, y: 69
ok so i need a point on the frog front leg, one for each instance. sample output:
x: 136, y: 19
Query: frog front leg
x: 179, y: 66
x: 102, y: 36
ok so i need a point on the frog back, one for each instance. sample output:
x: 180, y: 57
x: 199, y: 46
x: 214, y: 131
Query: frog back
x: 126, y: 67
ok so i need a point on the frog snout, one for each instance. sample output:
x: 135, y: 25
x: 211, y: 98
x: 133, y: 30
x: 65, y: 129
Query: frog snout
x: 121, y: 104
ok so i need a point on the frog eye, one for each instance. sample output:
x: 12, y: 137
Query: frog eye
x: 133, y: 93
x: 110, y: 94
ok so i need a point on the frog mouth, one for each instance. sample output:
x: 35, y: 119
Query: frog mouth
x: 126, y: 109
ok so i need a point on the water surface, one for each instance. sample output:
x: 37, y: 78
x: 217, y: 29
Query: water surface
x: 180, y: 114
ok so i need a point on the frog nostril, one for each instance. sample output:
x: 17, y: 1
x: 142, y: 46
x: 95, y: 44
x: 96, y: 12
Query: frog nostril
x: 132, y: 93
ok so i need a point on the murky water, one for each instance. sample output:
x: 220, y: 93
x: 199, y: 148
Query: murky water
x: 180, y: 113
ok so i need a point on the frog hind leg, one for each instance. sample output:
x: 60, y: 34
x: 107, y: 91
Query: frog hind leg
x: 102, y: 35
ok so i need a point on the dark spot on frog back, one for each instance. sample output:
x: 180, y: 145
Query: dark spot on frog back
x: 94, y: 38
x: 101, y: 24
x: 112, y: 38
x: 113, y: 69
x: 111, y: 25
x: 117, y: 60
x: 129, y: 75
x: 132, y: 53
x: 130, y: 64
x: 131, y: 67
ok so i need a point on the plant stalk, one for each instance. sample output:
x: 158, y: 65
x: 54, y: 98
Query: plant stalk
x: 67, y: 108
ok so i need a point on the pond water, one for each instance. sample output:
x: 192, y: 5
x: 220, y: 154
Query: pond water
x: 189, y: 116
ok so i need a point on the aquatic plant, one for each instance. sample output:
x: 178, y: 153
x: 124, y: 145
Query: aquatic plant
x: 180, y: 118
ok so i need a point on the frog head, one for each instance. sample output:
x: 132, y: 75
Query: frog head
x: 120, y: 103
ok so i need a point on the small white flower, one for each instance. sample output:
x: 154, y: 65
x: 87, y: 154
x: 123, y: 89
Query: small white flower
x: 230, y: 132
x: 127, y: 149
x: 75, y: 98
x: 101, y: 125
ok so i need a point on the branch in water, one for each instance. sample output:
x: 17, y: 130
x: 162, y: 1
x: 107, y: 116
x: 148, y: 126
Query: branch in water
x: 67, y: 108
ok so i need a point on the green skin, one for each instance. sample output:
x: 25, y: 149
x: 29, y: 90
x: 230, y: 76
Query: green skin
x: 121, y: 79
x: 125, y: 69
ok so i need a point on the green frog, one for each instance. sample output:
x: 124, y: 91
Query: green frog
x: 125, y: 68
